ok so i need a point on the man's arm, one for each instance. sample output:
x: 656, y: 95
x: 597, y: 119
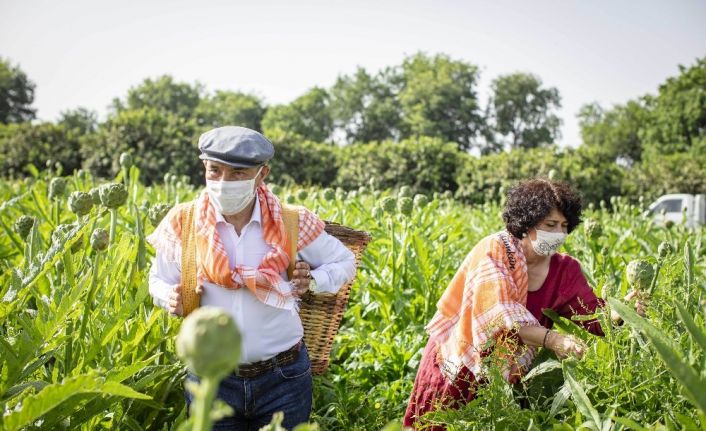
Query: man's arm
x: 164, y: 284
x: 332, y: 263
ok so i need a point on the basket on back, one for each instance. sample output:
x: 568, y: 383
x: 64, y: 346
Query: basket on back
x: 321, y: 313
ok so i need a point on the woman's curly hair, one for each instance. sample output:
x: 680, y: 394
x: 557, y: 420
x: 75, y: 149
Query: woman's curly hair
x: 530, y: 201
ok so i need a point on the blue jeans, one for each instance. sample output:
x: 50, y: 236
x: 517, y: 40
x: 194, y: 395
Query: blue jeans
x: 254, y: 400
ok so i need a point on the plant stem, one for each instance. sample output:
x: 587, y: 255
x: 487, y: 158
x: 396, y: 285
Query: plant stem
x: 113, y: 223
x: 202, y: 404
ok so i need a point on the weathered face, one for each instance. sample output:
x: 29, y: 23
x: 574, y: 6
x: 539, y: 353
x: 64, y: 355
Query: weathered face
x: 554, y: 222
x: 216, y: 171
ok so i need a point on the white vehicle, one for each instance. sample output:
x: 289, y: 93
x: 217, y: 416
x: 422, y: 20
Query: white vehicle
x: 678, y: 208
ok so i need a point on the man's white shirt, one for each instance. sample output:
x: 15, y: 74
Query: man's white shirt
x: 265, y: 330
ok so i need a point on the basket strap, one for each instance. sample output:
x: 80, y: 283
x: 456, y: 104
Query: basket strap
x: 190, y: 299
x: 290, y: 217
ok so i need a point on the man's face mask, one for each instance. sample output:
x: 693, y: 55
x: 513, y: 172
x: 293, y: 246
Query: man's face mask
x: 547, y: 243
x: 231, y: 197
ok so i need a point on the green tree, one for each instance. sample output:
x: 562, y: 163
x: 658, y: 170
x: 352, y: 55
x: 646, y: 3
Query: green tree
x: 616, y: 131
x: 302, y: 161
x: 80, y: 120
x: 162, y: 94
x: 308, y: 116
x: 365, y: 107
x: 523, y: 112
x: 438, y: 99
x: 38, y: 144
x: 228, y: 108
x: 160, y: 141
x: 677, y: 121
x: 16, y: 94
x: 425, y: 164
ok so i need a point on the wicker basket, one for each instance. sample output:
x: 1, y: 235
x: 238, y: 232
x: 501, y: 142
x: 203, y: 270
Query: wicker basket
x: 321, y: 313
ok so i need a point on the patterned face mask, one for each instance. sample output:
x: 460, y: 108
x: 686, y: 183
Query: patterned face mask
x: 547, y: 243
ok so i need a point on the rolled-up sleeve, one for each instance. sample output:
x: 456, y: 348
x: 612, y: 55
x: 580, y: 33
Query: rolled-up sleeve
x: 332, y: 263
x: 164, y: 276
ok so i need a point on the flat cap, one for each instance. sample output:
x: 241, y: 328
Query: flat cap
x: 239, y: 147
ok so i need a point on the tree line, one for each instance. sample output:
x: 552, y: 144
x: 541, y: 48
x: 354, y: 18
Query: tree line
x: 420, y: 123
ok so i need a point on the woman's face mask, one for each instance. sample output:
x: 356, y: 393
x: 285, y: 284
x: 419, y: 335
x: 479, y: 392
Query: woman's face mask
x: 231, y: 197
x: 547, y: 243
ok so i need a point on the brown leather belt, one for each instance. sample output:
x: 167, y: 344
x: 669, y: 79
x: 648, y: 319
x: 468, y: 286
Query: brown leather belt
x: 260, y: 367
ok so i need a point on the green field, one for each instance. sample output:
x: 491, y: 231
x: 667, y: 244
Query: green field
x: 82, y: 346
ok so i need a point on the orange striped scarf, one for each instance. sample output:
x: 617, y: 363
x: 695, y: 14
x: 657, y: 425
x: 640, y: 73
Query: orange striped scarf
x: 265, y: 281
x: 484, y: 303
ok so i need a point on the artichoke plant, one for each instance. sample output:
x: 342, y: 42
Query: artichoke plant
x: 389, y: 204
x: 420, y: 201
x: 405, y: 192
x: 157, y: 213
x: 126, y: 161
x: 329, y: 194
x: 209, y: 343
x: 113, y: 195
x: 664, y: 249
x: 100, y: 239
x: 23, y: 225
x: 640, y: 274
x: 592, y: 229
x: 302, y: 194
x: 80, y: 203
x: 57, y: 187
x: 406, y: 205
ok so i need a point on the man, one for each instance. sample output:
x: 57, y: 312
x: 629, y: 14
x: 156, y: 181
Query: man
x: 241, y: 259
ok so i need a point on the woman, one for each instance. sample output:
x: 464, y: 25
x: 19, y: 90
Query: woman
x: 497, y: 296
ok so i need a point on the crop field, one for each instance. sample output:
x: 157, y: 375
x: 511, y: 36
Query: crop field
x: 83, y: 347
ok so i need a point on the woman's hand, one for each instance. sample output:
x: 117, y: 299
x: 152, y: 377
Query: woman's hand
x: 301, y: 277
x: 565, y: 345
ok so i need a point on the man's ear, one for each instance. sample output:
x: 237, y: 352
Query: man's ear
x: 263, y: 174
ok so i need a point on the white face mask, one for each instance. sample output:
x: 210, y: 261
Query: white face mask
x: 547, y: 243
x: 231, y: 197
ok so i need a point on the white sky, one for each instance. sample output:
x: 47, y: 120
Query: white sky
x: 86, y: 52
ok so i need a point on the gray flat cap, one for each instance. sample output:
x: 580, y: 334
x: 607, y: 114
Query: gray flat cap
x: 239, y: 147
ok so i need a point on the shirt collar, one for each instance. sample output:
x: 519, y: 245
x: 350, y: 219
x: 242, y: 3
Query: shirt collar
x: 255, y: 217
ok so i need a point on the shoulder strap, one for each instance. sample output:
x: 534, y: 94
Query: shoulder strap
x: 190, y: 299
x: 290, y: 217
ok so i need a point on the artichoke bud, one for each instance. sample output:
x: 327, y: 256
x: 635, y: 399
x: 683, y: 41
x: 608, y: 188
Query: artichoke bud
x: 290, y: 199
x: 405, y: 191
x: 126, y: 160
x: 329, y: 194
x: 113, y: 195
x: 23, y: 225
x: 95, y: 195
x: 100, y: 239
x: 592, y: 229
x: 406, y: 205
x: 664, y: 249
x: 302, y: 194
x: 80, y: 203
x: 275, y: 189
x: 57, y: 187
x: 157, y: 213
x: 209, y: 343
x: 640, y: 273
x: 378, y: 213
x: 420, y: 201
x: 389, y: 204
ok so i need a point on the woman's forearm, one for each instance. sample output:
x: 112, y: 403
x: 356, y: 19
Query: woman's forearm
x: 535, y: 336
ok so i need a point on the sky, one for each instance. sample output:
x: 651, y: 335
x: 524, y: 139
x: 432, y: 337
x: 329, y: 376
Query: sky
x: 84, y: 53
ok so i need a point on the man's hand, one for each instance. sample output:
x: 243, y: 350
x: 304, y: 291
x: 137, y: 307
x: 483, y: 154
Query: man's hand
x: 301, y: 277
x: 175, y: 305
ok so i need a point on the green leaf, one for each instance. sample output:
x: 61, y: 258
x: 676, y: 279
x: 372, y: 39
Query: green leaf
x: 698, y: 334
x: 581, y: 399
x: 52, y: 396
x: 693, y: 383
